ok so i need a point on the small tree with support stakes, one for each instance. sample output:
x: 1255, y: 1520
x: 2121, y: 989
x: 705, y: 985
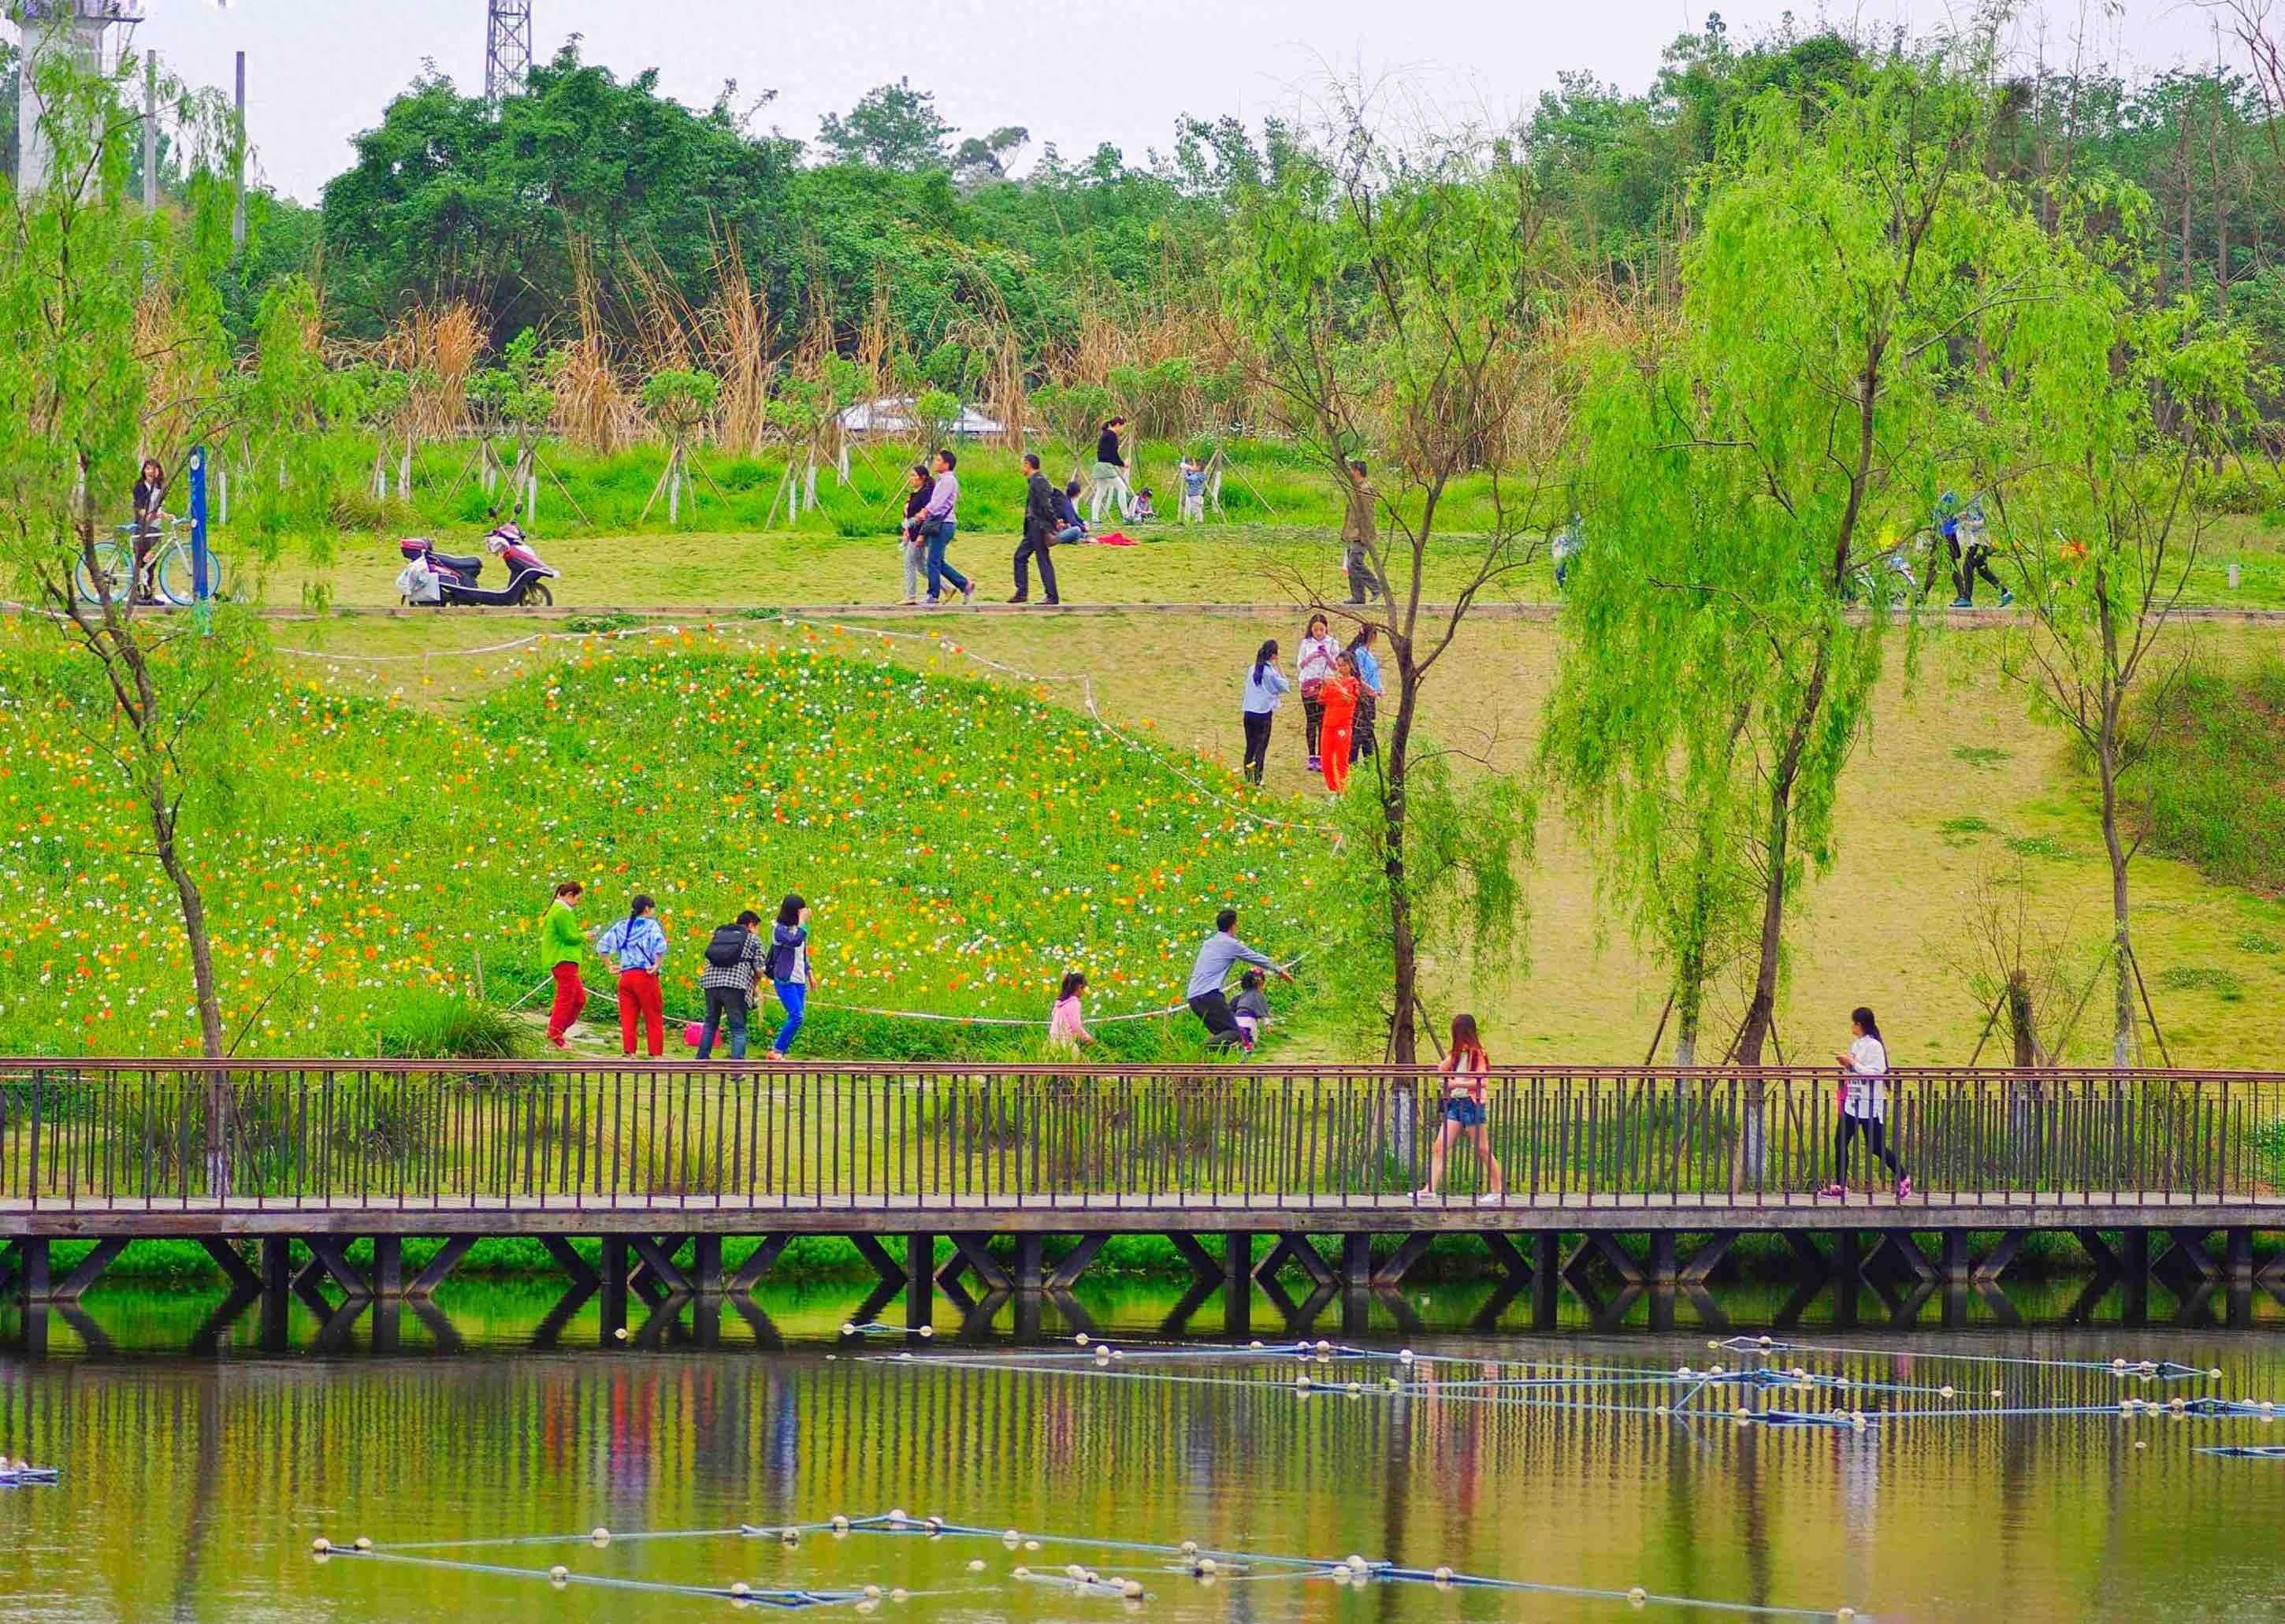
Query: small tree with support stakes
x: 514, y: 399
x: 680, y: 405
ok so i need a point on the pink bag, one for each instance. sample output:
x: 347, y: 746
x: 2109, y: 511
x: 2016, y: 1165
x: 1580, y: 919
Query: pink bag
x: 693, y: 1032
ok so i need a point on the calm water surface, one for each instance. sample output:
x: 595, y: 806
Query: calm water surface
x: 195, y: 1481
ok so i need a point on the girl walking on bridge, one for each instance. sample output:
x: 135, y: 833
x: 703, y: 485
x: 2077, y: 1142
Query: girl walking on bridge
x: 1865, y: 1105
x: 1464, y: 1111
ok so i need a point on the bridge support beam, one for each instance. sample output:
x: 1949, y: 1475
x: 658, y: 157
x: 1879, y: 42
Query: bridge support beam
x: 920, y: 1277
x: 1236, y: 1282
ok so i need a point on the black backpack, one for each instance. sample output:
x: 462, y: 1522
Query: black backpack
x: 726, y: 946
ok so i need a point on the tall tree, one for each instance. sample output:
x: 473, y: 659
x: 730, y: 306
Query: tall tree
x: 895, y: 127
x: 2107, y: 529
x: 1408, y: 300
x: 1750, y: 462
x: 119, y: 349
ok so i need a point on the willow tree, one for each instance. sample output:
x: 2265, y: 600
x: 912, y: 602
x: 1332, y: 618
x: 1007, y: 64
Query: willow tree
x: 1404, y: 303
x: 2107, y: 530
x: 1751, y: 462
x: 118, y: 349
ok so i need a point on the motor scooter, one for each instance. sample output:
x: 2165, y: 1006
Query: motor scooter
x: 448, y: 578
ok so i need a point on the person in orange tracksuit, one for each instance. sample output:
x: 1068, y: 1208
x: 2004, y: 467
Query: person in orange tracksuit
x: 1339, y: 698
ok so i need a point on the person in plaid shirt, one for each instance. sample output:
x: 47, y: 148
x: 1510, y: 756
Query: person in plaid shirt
x: 729, y: 985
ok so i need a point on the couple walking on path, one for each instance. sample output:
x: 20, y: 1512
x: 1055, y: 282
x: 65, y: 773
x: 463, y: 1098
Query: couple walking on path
x: 736, y: 965
x: 931, y: 520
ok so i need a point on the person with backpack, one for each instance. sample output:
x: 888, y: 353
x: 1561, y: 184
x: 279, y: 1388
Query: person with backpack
x: 562, y: 947
x: 789, y: 968
x: 1863, y: 1101
x: 1039, y: 528
x: 733, y: 968
x: 638, y: 943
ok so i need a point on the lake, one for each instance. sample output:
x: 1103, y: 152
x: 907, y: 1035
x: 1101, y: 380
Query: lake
x: 198, y: 1463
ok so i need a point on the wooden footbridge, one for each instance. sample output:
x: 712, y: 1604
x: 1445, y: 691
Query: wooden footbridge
x: 1636, y: 1181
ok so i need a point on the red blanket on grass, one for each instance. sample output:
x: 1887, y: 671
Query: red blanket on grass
x: 1115, y: 539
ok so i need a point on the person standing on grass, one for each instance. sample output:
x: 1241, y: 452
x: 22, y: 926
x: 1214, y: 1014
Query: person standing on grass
x: 1360, y: 533
x: 1265, y: 686
x: 1194, y: 491
x: 1313, y: 665
x: 920, y: 484
x: 1110, y: 472
x: 638, y: 944
x: 562, y: 947
x: 1465, y: 1112
x: 789, y: 968
x: 1039, y: 527
x: 1067, y: 1023
x: 1211, y: 970
x: 1363, y: 742
x: 1339, y: 697
x: 733, y: 969
x: 939, y: 522
x: 1865, y: 1105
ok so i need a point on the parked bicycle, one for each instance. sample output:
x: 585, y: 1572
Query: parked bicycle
x: 169, y: 569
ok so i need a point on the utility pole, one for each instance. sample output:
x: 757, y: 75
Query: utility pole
x: 237, y: 215
x: 150, y: 131
x: 507, y: 50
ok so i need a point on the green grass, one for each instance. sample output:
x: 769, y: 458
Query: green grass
x: 376, y: 885
x: 2215, y: 780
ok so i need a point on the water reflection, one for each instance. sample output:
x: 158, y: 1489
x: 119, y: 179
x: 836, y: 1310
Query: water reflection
x: 535, y: 1316
x: 192, y: 1487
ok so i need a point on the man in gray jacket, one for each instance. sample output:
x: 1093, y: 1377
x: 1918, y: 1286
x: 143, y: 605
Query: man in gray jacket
x: 1220, y: 951
x: 1360, y: 530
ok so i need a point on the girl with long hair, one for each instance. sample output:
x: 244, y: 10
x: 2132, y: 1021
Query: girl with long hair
x: 1465, y: 1112
x: 1265, y: 686
x: 1313, y: 665
x: 789, y: 968
x: 1865, y: 1105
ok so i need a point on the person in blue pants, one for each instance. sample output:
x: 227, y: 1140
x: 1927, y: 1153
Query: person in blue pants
x: 789, y: 968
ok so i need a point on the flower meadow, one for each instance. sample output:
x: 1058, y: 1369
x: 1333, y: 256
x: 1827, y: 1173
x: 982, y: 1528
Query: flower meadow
x: 962, y: 842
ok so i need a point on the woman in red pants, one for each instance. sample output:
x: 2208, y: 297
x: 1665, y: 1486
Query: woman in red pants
x: 562, y: 947
x: 1339, y: 698
x: 637, y: 944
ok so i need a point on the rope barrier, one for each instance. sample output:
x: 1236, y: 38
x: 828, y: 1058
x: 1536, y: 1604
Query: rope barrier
x: 1205, y: 1563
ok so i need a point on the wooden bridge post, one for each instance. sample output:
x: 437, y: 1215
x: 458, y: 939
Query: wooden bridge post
x: 1664, y: 1272
x: 920, y: 1280
x: 2134, y: 1263
x: 2237, y: 1256
x: 389, y: 1266
x: 31, y: 1271
x: 1546, y: 1278
x: 1236, y: 1282
x: 1030, y: 1264
x: 706, y: 1267
x: 1847, y: 1276
x: 614, y: 1272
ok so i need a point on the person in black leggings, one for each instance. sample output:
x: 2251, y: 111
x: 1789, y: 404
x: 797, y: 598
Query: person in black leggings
x: 1265, y: 686
x: 1865, y: 1105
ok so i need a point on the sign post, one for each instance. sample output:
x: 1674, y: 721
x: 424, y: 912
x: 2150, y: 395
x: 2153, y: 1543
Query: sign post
x: 202, y: 576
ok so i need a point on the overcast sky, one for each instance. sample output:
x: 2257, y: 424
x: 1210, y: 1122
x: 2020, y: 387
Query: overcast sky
x: 1075, y: 75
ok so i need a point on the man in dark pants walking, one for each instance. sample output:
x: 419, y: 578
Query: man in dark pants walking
x: 1206, y: 1000
x: 1039, y: 533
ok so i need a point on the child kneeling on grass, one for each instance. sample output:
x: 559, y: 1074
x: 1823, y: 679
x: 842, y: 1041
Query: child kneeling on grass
x: 1250, y: 1008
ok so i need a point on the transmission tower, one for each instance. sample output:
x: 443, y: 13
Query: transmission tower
x: 507, y: 50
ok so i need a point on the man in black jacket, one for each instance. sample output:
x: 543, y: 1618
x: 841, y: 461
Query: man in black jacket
x: 1039, y: 533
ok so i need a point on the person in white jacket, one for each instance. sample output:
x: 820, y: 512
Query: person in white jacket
x: 1865, y: 1105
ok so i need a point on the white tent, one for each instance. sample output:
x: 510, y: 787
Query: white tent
x: 893, y: 414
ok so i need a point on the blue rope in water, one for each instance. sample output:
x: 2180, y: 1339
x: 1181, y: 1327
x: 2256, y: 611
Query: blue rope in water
x: 2162, y: 1369
x: 2247, y: 1452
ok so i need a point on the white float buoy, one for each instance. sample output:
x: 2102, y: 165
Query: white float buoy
x: 848, y: 1328
x: 897, y: 1514
x: 1442, y: 1575
x: 927, y: 1331
x: 363, y: 1543
x: 897, y: 1596
x: 872, y: 1593
x: 1637, y: 1596
x: 739, y: 1588
x: 1207, y: 1564
x: 840, y: 1522
x: 1404, y: 1355
x: 559, y: 1572
x: 1944, y: 1391
x: 321, y: 1544
x: 1010, y: 1537
x: 1031, y: 1544
x: 975, y: 1564
x: 601, y: 1535
x: 1131, y: 1589
x: 1019, y: 1570
x: 1081, y: 1339
x: 620, y: 1335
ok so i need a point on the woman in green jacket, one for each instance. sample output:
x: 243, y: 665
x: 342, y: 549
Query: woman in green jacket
x: 562, y: 947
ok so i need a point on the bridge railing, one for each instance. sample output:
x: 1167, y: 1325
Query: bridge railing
x: 113, y: 1134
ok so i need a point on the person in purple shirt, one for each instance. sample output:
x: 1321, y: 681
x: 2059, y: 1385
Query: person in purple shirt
x: 939, y: 521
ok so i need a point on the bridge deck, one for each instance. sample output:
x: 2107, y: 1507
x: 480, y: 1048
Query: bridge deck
x: 1192, y: 1214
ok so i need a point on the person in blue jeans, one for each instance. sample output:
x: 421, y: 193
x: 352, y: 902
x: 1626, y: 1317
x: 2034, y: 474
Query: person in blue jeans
x: 939, y: 522
x: 789, y: 971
